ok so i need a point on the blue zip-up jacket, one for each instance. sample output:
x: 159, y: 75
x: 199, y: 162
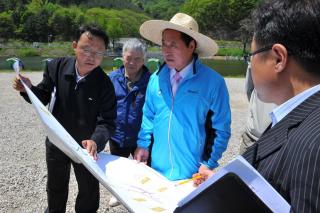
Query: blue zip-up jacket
x: 178, y: 123
x: 129, y: 106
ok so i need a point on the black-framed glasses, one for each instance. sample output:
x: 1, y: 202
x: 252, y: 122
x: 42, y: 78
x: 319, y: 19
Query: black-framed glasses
x: 247, y: 57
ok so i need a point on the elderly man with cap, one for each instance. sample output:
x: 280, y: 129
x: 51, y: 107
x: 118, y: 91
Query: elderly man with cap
x: 180, y: 95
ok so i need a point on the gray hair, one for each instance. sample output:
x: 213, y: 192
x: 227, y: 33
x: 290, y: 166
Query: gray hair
x: 135, y: 45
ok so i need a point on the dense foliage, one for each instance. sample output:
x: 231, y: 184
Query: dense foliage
x: 43, y: 20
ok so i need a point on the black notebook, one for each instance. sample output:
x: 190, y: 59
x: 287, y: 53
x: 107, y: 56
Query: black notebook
x: 227, y: 195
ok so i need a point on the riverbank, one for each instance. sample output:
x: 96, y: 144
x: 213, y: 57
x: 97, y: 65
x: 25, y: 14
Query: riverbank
x: 22, y: 154
x: 230, y: 68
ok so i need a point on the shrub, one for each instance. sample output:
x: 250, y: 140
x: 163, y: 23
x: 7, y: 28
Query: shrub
x: 230, y: 52
x: 28, y: 52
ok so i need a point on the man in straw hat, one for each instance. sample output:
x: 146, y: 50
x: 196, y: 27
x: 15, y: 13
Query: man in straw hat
x: 179, y: 97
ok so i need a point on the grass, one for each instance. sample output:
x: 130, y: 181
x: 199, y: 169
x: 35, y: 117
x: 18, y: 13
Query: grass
x: 230, y: 52
x: 6, y: 71
x: 231, y: 68
x: 28, y: 52
x: 154, y: 49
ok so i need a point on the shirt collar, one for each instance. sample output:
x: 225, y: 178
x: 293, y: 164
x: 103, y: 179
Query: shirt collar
x: 284, y: 109
x: 183, y: 73
x: 79, y: 77
x: 137, y: 77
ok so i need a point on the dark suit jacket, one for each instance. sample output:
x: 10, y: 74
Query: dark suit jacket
x: 86, y: 109
x: 288, y: 156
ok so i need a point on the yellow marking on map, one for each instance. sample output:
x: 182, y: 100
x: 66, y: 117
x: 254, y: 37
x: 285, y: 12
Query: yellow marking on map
x: 145, y: 180
x: 139, y: 199
x: 158, y: 209
x: 162, y: 189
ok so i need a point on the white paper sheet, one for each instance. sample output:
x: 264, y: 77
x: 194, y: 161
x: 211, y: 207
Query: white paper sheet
x: 137, y: 186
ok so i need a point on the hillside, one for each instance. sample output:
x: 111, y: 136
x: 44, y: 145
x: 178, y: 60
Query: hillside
x: 39, y: 20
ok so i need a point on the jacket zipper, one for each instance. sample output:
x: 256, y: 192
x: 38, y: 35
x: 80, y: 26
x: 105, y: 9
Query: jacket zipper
x: 169, y: 131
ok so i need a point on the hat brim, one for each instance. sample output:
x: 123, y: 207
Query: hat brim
x: 152, y: 31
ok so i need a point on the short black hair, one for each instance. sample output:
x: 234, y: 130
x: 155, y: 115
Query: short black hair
x: 94, y: 30
x: 294, y: 24
x: 187, y: 39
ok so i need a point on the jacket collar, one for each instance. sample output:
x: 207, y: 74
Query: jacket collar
x: 164, y: 75
x: 274, y: 138
x: 70, y: 70
x: 196, y: 62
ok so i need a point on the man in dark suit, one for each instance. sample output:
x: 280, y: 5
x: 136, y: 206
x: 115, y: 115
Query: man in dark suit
x: 82, y: 98
x: 286, y: 71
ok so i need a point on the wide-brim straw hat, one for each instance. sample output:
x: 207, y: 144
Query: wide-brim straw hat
x: 152, y: 30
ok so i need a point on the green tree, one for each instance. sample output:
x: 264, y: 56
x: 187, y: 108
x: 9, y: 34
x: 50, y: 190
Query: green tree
x: 197, y: 9
x: 2, y: 6
x: 125, y: 21
x: 97, y: 16
x: 246, y: 30
x: 17, y: 8
x: 64, y: 22
x: 220, y: 18
x: 109, y: 20
x: 112, y: 4
x: 36, y: 6
x: 138, y: 4
x: 7, y: 26
x: 68, y: 2
x: 162, y: 9
x: 130, y: 21
x: 6, y: 5
x: 114, y: 30
x: 36, y: 20
x: 35, y: 27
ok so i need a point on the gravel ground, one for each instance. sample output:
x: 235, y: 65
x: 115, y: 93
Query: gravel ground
x: 22, y: 150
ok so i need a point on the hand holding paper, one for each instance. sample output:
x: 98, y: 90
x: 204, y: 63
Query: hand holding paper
x: 91, y: 147
x: 17, y: 84
x: 141, y: 155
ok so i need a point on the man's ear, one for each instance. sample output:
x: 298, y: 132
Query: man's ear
x: 192, y: 45
x: 280, y: 53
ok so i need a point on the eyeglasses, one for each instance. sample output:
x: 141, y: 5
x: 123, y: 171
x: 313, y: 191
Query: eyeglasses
x: 89, y: 52
x: 247, y: 57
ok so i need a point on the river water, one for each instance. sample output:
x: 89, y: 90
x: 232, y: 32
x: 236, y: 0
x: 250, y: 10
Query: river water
x: 234, y: 68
